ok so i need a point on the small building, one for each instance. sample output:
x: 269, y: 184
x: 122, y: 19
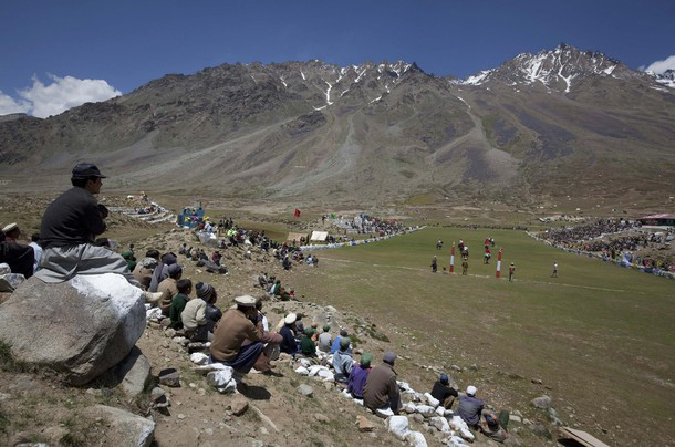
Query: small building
x: 658, y: 220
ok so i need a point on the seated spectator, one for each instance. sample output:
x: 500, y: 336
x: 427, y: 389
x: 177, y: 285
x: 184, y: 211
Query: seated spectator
x: 233, y: 331
x: 144, y: 269
x: 342, y: 361
x: 262, y: 318
x: 299, y: 325
x: 162, y: 271
x: 12, y: 232
x: 178, y: 303
x: 288, y: 344
x: 315, y: 334
x: 168, y: 287
x: 284, y: 295
x: 381, y: 390
x: 359, y: 375
x: 37, y: 251
x: 262, y: 280
x: 445, y: 394
x: 19, y: 257
x: 470, y: 407
x: 325, y: 339
x: 490, y: 426
x: 286, y: 263
x: 307, y: 346
x: 128, y: 256
x: 201, y: 315
x: 335, y: 347
x: 183, y: 249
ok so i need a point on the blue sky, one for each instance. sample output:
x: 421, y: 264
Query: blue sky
x: 128, y: 43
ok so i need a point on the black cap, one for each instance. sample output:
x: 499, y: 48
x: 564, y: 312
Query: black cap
x: 86, y: 170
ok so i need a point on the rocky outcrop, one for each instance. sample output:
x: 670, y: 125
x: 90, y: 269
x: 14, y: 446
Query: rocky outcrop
x: 124, y: 428
x: 79, y: 328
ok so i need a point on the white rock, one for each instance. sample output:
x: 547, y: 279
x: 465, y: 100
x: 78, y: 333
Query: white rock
x: 220, y: 378
x: 398, y: 425
x: 229, y: 388
x: 440, y: 423
x: 358, y: 401
x: 431, y: 400
x: 327, y: 376
x: 199, y: 358
x: 302, y: 371
x: 306, y: 363
x: 314, y: 369
x: 458, y: 424
x: 154, y: 314
x: 415, y: 439
x: 440, y: 410
x: 384, y: 412
x: 454, y: 441
x: 425, y: 410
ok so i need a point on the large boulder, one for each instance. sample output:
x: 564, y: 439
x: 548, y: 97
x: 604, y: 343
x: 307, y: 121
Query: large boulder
x: 124, y: 428
x: 79, y: 327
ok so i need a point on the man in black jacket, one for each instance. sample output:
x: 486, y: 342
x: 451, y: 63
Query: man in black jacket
x: 69, y: 226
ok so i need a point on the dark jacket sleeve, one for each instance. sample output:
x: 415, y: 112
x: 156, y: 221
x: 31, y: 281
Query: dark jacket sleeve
x: 93, y: 221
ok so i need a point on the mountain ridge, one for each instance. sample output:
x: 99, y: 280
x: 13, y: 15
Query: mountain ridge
x: 379, y: 131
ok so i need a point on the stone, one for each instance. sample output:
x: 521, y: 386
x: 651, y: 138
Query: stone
x: 79, y: 328
x: 327, y: 376
x: 238, y: 405
x: 457, y: 423
x: 199, y: 358
x: 315, y: 369
x: 543, y: 401
x: 384, y: 412
x: 440, y: 423
x: 536, y: 381
x: 124, y: 428
x: 220, y: 378
x: 473, y: 367
x: 159, y: 398
x: 512, y: 440
x: 170, y: 332
x: 456, y: 368
x: 440, y: 410
x: 415, y: 439
x: 431, y: 400
x: 418, y: 418
x: 306, y: 390
x: 54, y: 434
x: 398, y: 425
x: 302, y: 371
x: 364, y: 424
x: 328, y: 385
x: 134, y: 373
x: 410, y: 408
x: 515, y: 418
x: 425, y: 410
x: 169, y: 377
x: 321, y: 418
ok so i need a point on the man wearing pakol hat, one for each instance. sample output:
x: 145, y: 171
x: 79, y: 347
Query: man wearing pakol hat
x: 359, y: 375
x: 381, y: 390
x: 233, y: 330
x: 443, y: 392
x: 69, y: 226
x: 289, y: 344
x: 470, y: 407
x: 168, y: 288
x: 342, y: 361
x: 325, y: 339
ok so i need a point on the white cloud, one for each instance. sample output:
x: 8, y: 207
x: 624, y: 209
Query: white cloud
x: 10, y: 105
x: 661, y: 66
x: 63, y: 93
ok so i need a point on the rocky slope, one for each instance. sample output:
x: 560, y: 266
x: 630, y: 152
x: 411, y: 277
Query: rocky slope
x: 557, y: 123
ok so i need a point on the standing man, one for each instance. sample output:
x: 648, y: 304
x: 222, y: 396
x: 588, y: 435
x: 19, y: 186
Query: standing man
x: 512, y: 270
x: 434, y: 265
x: 69, y: 226
x: 465, y: 266
x: 554, y: 274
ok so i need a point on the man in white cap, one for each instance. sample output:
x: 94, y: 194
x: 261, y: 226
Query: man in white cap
x: 289, y: 344
x: 12, y: 232
x: 470, y: 407
x: 18, y: 256
x: 234, y: 329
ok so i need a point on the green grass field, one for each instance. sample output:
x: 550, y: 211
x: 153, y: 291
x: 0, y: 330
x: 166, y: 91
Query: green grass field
x: 599, y: 335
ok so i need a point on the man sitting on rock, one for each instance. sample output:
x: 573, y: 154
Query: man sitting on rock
x: 443, y: 392
x: 335, y: 347
x: 168, y: 288
x: 307, y: 346
x: 381, y: 390
x: 234, y: 329
x: 470, y: 407
x: 342, y: 361
x: 18, y: 256
x: 69, y: 226
x: 359, y: 375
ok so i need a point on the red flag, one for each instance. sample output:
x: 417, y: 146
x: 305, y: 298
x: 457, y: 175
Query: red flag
x: 296, y: 213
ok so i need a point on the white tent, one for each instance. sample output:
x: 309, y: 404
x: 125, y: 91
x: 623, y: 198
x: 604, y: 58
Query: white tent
x: 319, y: 236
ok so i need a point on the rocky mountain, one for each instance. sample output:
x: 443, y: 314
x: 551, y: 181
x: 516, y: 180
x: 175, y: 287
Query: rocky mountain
x: 557, y: 123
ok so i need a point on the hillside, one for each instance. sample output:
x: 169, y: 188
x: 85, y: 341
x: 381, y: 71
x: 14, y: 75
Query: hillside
x: 540, y: 126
